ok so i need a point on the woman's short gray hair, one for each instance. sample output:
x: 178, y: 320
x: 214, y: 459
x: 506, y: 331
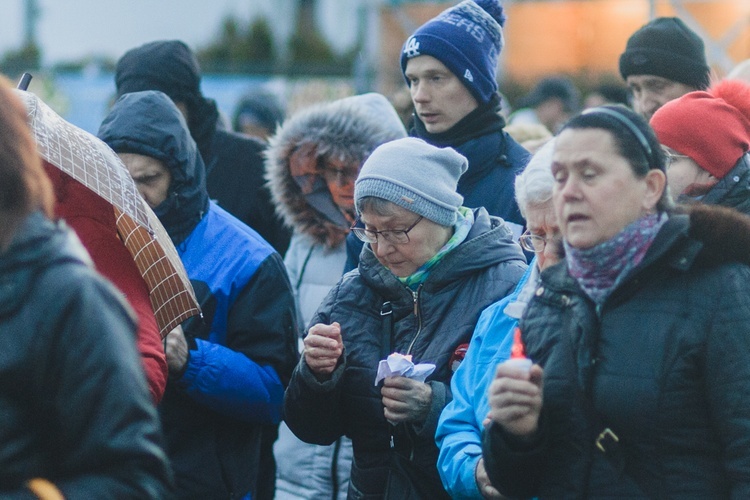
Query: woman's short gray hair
x: 534, y: 185
x: 378, y: 206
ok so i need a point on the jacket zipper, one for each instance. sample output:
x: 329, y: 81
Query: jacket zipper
x: 415, y: 297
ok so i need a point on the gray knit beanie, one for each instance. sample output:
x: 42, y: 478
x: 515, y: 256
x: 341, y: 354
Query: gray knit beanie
x: 416, y: 176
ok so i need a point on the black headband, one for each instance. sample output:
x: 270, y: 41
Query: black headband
x: 624, y: 120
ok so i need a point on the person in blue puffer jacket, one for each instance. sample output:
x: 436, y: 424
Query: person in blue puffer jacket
x: 459, y: 430
x: 228, y: 370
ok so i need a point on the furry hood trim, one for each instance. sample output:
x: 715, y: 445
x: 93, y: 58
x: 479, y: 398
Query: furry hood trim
x: 348, y: 130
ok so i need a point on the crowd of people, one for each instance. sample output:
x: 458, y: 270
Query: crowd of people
x: 452, y: 307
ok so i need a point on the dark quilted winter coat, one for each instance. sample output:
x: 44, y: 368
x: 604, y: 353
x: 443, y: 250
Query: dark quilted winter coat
x: 664, y: 363
x: 429, y: 324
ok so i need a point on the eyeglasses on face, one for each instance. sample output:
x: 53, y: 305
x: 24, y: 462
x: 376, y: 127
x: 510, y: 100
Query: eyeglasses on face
x: 533, y: 242
x: 340, y: 175
x: 395, y: 236
x: 670, y: 157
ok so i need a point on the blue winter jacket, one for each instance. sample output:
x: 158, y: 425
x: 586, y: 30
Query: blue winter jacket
x: 459, y: 430
x: 494, y: 162
x: 222, y: 257
x: 243, y: 348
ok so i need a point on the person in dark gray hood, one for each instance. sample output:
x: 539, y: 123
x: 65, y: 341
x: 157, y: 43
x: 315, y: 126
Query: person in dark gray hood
x: 311, y: 165
x: 229, y: 368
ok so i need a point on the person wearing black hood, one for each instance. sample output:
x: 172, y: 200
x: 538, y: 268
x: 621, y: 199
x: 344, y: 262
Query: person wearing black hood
x: 76, y: 417
x: 234, y: 162
x: 449, y: 64
x: 229, y: 368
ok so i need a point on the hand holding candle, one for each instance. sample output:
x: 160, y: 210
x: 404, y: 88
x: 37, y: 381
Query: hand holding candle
x: 515, y: 394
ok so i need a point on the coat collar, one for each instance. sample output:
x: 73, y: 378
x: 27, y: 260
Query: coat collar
x: 37, y: 243
x: 701, y: 235
x: 488, y: 243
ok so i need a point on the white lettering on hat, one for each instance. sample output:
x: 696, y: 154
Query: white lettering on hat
x: 459, y: 21
x: 468, y: 75
x: 412, y: 48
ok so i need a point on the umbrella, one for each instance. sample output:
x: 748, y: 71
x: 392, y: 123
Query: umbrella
x: 91, y: 162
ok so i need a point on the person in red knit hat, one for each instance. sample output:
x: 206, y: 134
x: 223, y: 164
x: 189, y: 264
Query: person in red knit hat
x: 93, y: 220
x: 706, y: 137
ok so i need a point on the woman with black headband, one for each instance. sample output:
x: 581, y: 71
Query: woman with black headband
x: 639, y: 339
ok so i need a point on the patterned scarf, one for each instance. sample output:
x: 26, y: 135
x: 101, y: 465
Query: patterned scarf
x: 460, y: 230
x: 601, y: 268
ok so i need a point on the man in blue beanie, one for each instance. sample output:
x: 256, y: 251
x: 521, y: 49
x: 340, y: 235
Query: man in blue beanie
x: 662, y: 61
x: 449, y: 64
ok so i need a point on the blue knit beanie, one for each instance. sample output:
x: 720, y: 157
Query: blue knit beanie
x: 466, y: 38
x: 416, y: 176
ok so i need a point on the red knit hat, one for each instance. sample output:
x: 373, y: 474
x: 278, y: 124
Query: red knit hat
x: 712, y: 127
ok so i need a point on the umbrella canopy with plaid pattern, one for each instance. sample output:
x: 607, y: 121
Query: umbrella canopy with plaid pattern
x: 91, y: 162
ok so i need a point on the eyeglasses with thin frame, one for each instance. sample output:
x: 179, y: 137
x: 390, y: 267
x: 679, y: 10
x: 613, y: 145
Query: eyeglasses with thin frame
x: 670, y: 157
x: 533, y: 242
x: 395, y: 236
x: 340, y: 175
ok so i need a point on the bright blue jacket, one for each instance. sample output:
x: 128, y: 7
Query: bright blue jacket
x: 243, y: 349
x: 459, y: 431
x: 224, y: 372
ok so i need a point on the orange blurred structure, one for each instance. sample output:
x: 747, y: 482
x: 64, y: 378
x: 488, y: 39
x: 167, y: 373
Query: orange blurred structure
x: 577, y: 37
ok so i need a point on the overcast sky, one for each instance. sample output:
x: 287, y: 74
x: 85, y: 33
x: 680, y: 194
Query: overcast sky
x: 72, y: 29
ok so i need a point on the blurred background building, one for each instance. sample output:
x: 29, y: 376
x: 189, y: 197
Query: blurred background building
x: 307, y: 50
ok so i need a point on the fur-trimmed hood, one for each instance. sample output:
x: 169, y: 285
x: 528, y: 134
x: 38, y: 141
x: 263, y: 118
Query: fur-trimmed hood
x: 723, y: 232
x: 347, y: 129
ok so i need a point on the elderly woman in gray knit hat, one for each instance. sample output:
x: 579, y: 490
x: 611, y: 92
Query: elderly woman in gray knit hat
x: 428, y: 269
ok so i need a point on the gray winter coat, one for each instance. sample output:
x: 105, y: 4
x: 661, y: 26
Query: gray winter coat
x: 347, y: 129
x: 429, y: 324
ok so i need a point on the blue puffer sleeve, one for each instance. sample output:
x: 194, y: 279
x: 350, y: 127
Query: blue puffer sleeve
x: 459, y: 431
x: 232, y: 384
x: 245, y: 376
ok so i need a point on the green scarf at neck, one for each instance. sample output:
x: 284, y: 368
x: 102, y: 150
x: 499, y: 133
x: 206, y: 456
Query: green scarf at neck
x: 460, y: 230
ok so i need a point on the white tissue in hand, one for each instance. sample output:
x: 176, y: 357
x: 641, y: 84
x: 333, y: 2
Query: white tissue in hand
x: 398, y: 365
